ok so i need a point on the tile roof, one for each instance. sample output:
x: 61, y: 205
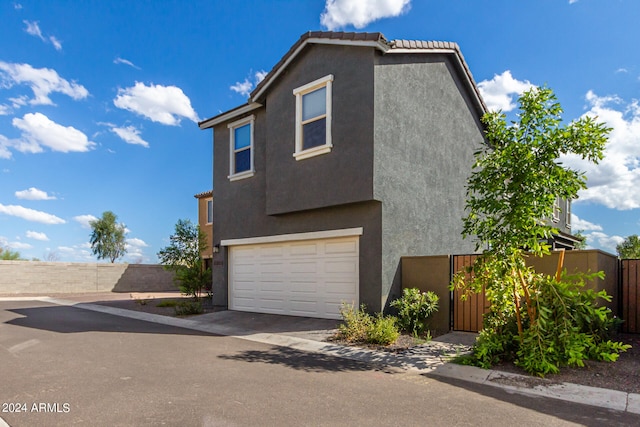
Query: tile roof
x: 376, y: 40
x: 205, y: 194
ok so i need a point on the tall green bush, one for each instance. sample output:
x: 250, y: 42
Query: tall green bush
x: 414, y: 310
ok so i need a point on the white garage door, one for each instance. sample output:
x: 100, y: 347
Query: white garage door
x: 302, y: 278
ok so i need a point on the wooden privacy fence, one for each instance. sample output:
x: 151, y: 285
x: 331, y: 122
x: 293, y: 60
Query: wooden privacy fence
x: 434, y: 273
x: 630, y: 295
x: 467, y: 312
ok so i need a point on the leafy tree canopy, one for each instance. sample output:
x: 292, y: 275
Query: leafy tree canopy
x: 539, y: 321
x: 7, y: 254
x: 183, y: 257
x: 630, y: 248
x: 108, y: 237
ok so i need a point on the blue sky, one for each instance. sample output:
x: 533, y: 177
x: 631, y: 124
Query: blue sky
x: 99, y: 101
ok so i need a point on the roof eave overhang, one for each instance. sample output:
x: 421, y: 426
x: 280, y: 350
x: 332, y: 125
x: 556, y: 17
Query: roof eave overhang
x: 243, y: 109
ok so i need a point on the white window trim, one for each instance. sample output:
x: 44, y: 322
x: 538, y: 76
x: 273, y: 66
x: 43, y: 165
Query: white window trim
x: 567, y: 218
x: 299, y: 153
x: 209, y: 222
x: 231, y: 126
x: 556, y: 210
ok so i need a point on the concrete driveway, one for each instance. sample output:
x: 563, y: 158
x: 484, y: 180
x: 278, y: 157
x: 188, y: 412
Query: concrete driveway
x: 67, y: 366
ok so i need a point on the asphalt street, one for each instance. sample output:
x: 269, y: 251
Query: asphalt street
x: 64, y: 366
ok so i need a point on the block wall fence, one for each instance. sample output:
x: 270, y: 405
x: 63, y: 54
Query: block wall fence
x: 22, y: 277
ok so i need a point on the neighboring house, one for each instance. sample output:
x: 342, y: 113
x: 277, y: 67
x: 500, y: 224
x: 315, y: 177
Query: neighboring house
x: 205, y: 221
x: 562, y: 221
x: 352, y: 152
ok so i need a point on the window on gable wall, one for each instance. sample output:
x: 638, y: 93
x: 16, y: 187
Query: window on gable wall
x: 556, y: 210
x: 241, y: 148
x: 313, y: 118
x: 209, y: 211
x: 567, y: 213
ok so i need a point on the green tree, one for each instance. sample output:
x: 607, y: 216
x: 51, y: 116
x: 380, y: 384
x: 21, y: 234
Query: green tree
x: 515, y: 180
x: 630, y: 248
x: 7, y: 254
x: 183, y: 257
x: 107, y: 238
x: 582, y: 244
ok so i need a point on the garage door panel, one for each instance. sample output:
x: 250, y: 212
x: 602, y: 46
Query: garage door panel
x: 341, y: 266
x: 304, y: 267
x: 303, y: 249
x: 341, y: 248
x: 303, y: 287
x: 308, y: 278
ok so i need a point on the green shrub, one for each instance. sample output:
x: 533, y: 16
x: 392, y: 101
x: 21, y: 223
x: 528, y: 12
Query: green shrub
x: 355, y: 323
x: 569, y: 327
x: 167, y: 303
x: 383, y: 330
x: 414, y: 309
x: 360, y: 327
x: 186, y: 308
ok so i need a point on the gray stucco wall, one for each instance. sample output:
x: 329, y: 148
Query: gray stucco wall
x: 425, y: 135
x: 345, y: 175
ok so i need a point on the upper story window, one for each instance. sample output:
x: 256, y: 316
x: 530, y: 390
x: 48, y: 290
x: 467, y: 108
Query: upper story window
x: 209, y: 211
x: 556, y: 210
x: 313, y: 118
x: 241, y: 148
x: 567, y: 213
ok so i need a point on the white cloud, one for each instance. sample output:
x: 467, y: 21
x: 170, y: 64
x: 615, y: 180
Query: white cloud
x: 130, y: 134
x: 360, y: 13
x: 19, y: 245
x: 5, y: 110
x: 615, y: 181
x: 84, y: 220
x: 162, y: 104
x: 33, y: 29
x: 39, y: 131
x: 583, y: 225
x: 603, y: 241
x: 139, y: 243
x: 573, y: 1
x: 55, y: 42
x: 42, y: 81
x: 30, y: 214
x: 126, y: 62
x: 33, y: 194
x: 37, y: 235
x: 4, y: 147
x: 244, y: 88
x: 498, y: 93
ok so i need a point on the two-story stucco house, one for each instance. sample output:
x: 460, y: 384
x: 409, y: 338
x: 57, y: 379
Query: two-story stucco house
x: 205, y: 222
x: 352, y: 152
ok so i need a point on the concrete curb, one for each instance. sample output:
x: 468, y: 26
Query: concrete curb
x: 426, y: 364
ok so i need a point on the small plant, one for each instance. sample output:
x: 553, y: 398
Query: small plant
x: 140, y: 301
x: 414, y: 309
x: 355, y: 323
x: 360, y: 327
x: 167, y: 303
x: 383, y: 330
x: 186, y: 308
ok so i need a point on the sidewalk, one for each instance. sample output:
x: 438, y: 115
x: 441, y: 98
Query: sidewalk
x: 306, y: 334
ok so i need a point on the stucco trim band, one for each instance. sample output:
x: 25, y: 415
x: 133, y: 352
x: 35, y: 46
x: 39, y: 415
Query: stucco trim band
x: 328, y: 234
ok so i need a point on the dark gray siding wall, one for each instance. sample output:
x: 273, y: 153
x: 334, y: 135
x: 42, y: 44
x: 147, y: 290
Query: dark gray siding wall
x: 425, y: 135
x: 240, y: 207
x: 345, y: 175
